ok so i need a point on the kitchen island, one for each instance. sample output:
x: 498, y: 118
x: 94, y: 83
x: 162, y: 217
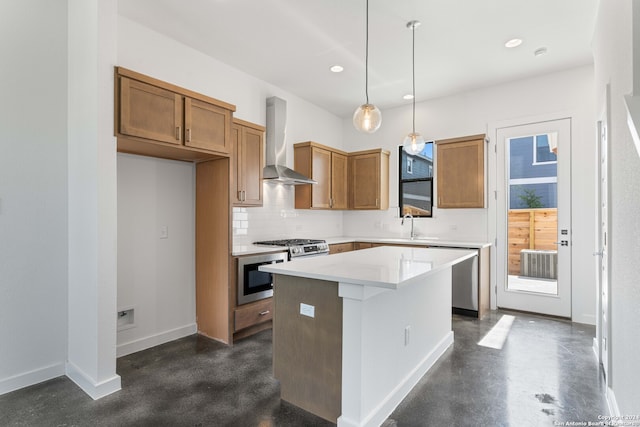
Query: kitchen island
x: 354, y: 332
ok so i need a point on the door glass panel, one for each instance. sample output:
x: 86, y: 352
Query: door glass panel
x: 532, y: 214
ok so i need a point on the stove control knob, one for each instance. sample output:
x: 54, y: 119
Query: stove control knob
x: 295, y: 250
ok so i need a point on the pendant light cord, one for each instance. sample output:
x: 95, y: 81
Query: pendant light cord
x: 413, y: 66
x: 366, y: 56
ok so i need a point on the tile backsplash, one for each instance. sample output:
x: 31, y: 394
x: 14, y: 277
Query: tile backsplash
x: 278, y: 219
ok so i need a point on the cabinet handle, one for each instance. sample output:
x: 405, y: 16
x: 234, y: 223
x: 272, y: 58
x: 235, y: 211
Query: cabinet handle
x: 244, y: 195
x: 263, y: 313
x: 178, y: 133
x: 330, y: 202
x: 239, y: 195
x: 188, y: 134
x: 376, y: 203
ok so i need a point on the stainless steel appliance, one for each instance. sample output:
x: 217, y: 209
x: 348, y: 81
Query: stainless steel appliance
x: 254, y: 285
x: 299, y: 248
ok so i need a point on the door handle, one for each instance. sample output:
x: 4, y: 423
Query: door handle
x: 599, y: 253
x: 562, y: 243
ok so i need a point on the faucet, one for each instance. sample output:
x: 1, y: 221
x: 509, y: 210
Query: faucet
x: 402, y: 223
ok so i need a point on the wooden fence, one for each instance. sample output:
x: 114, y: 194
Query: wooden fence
x: 530, y: 229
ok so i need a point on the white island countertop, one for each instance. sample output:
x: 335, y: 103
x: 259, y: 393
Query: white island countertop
x: 384, y: 267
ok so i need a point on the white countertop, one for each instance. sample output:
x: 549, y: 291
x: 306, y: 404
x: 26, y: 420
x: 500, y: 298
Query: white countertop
x: 239, y: 250
x: 384, y: 267
x: 426, y: 241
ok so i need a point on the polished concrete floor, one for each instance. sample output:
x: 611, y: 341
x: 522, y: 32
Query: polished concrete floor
x: 544, y: 375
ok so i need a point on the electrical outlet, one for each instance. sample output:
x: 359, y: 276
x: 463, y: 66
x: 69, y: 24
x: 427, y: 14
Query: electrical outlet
x: 307, y: 310
x: 164, y: 232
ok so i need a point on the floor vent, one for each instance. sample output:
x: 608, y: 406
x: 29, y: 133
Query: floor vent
x: 539, y: 263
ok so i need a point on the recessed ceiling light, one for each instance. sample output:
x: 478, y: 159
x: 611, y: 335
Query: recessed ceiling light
x: 540, y: 51
x: 408, y: 96
x: 513, y: 43
x: 337, y: 69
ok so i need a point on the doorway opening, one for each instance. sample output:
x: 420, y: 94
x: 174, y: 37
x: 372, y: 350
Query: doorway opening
x: 532, y: 219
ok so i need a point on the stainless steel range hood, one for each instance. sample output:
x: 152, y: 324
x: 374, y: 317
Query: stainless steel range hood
x: 276, y: 151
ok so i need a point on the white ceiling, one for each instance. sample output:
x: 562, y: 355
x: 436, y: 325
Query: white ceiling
x: 459, y: 46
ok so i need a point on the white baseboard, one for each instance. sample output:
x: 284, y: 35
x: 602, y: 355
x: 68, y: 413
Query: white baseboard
x: 95, y: 390
x: 154, y: 340
x: 380, y: 413
x: 614, y: 411
x: 32, y: 377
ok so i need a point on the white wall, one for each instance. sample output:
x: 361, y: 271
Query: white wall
x: 156, y: 276
x: 148, y: 52
x: 564, y: 93
x: 613, y: 51
x: 33, y: 192
x: 92, y: 189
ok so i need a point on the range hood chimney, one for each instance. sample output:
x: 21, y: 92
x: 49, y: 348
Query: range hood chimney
x: 276, y: 151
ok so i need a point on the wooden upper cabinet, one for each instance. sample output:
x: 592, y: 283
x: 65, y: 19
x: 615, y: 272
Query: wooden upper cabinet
x: 247, y: 164
x: 150, y: 112
x: 369, y: 179
x: 328, y: 167
x: 206, y: 126
x: 155, y: 118
x: 460, y: 172
x: 339, y: 181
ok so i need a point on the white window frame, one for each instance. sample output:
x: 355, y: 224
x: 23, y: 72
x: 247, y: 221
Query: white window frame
x: 409, y: 165
x: 535, y: 154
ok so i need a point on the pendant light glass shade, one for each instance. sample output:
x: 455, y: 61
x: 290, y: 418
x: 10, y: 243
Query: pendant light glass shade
x: 414, y: 142
x: 367, y: 117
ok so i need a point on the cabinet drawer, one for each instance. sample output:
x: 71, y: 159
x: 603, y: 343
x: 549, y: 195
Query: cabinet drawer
x: 252, y: 314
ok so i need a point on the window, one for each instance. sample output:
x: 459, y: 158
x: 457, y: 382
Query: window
x: 416, y: 182
x: 533, y: 179
x: 542, y: 151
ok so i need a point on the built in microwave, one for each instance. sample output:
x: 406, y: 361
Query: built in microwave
x: 254, y: 285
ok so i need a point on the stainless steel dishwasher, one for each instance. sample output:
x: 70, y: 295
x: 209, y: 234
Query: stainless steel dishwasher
x: 464, y: 286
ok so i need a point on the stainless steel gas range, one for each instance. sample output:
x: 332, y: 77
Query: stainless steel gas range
x: 299, y: 248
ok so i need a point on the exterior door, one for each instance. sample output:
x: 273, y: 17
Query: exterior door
x: 534, y: 217
x: 604, y: 306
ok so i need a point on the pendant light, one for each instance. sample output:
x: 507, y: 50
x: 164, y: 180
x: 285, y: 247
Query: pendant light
x: 414, y: 142
x: 367, y: 117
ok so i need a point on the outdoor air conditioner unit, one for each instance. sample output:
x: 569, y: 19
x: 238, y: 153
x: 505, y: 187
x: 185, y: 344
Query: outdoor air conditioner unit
x: 539, y: 263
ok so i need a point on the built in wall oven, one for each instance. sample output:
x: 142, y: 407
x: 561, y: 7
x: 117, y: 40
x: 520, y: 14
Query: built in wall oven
x: 254, y: 285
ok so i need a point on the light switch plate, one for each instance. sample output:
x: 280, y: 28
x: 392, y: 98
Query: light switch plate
x: 307, y: 310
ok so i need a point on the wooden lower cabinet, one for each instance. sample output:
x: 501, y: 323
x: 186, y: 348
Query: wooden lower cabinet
x: 252, y: 314
x: 362, y: 245
x: 337, y: 248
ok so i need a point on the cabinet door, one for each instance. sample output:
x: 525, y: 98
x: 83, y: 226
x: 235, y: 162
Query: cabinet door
x: 338, y: 181
x: 365, y: 181
x: 321, y: 172
x: 149, y: 112
x: 460, y: 172
x: 237, y: 178
x: 252, y: 149
x: 247, y: 165
x: 207, y: 126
